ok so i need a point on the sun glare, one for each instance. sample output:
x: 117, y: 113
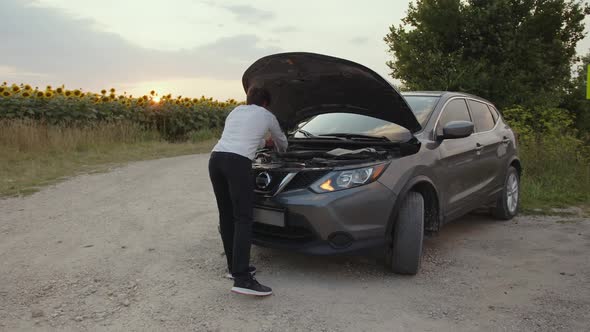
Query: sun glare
x: 156, y: 99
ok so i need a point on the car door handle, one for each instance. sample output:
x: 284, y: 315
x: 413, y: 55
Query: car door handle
x: 478, y: 147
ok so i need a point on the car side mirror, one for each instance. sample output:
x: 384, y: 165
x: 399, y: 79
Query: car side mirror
x: 457, y: 129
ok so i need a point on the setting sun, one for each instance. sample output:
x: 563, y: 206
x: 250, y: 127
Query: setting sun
x: 156, y: 99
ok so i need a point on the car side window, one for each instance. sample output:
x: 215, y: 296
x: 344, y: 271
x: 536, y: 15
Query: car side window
x: 456, y: 110
x: 494, y: 112
x: 482, y: 117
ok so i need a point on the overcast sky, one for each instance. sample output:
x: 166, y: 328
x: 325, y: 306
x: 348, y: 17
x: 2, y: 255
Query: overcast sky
x: 188, y: 47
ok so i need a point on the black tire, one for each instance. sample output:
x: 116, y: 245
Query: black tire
x: 405, y: 255
x: 504, y: 210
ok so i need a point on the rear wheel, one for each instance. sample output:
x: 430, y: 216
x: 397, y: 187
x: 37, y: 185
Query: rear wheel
x: 509, y: 199
x: 405, y: 255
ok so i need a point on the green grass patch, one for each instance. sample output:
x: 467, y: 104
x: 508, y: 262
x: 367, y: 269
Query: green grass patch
x: 556, y: 174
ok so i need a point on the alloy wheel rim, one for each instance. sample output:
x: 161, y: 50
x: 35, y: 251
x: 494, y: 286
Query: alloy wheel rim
x: 512, y: 193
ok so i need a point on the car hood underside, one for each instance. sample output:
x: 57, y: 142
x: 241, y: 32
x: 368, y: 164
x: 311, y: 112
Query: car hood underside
x: 305, y: 84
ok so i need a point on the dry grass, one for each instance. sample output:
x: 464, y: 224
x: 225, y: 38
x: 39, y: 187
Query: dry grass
x: 34, y: 154
x: 29, y: 136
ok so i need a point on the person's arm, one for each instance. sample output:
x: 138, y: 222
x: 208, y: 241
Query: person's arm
x: 278, y: 137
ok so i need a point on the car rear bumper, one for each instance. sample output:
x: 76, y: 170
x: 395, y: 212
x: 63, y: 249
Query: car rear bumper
x: 330, y: 223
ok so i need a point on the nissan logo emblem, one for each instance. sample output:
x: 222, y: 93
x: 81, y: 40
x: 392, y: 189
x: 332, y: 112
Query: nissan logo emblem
x: 263, y: 180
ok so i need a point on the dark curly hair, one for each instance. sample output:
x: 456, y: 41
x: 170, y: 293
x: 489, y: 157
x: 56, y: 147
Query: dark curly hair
x: 258, y: 96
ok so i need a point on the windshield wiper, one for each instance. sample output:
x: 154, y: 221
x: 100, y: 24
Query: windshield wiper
x: 305, y: 133
x: 356, y: 136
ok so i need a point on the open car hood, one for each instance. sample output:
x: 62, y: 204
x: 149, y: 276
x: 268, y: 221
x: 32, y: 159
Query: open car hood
x: 307, y: 84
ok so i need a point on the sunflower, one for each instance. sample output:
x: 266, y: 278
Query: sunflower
x: 6, y: 93
x: 77, y: 93
x: 40, y: 94
x: 28, y: 87
x: 152, y: 92
x: 105, y: 99
x: 112, y: 90
x: 82, y: 95
x: 26, y: 94
x: 103, y: 92
x: 49, y: 88
x: 15, y: 88
x: 59, y: 90
x: 2, y: 89
x: 48, y: 94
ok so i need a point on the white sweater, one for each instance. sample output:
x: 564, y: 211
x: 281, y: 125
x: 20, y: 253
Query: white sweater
x: 245, y: 129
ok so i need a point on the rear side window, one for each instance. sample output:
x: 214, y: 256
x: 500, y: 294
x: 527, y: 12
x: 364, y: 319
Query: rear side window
x: 456, y: 110
x: 482, y: 117
x: 495, y: 114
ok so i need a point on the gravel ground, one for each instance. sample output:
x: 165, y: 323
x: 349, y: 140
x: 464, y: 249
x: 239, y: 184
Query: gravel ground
x: 137, y: 249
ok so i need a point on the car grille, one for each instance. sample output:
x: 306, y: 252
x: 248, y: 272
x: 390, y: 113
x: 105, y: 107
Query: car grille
x: 301, y: 180
x: 305, y: 179
x: 276, y: 178
x: 289, y: 233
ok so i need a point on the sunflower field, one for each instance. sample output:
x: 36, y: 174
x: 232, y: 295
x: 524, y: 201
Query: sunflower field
x: 175, y: 117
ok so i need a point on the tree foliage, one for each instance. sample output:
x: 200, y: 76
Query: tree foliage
x: 576, y: 101
x: 514, y: 52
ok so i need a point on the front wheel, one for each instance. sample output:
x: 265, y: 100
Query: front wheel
x: 509, y: 199
x: 405, y: 255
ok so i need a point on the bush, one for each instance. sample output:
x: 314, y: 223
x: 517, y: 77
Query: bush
x: 556, y: 161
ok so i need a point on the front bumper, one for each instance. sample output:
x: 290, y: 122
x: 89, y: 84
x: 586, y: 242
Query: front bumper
x: 329, y: 223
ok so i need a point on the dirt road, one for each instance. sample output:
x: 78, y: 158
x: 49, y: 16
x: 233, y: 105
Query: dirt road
x: 137, y: 249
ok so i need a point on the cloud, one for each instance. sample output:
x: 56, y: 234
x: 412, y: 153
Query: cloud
x: 359, y: 40
x: 48, y: 42
x: 285, y: 29
x: 246, y: 13
x: 8, y: 72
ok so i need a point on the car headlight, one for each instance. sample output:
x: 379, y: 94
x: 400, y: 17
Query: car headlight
x: 349, y: 178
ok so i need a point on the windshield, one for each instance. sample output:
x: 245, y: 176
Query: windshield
x: 422, y: 106
x: 350, y: 123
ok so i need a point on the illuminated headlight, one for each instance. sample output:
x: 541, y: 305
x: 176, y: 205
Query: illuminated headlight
x: 349, y: 178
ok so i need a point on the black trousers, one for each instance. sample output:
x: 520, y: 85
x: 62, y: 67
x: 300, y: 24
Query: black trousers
x: 230, y: 175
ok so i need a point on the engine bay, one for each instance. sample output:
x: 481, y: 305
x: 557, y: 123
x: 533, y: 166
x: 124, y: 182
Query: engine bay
x: 307, y: 153
x: 315, y: 158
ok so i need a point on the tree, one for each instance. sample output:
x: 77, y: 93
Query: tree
x: 575, y: 100
x: 509, y: 51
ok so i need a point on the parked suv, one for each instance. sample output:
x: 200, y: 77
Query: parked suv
x: 368, y: 166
